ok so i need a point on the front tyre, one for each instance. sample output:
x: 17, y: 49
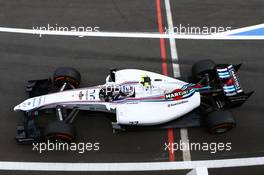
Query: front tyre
x: 219, y: 122
x: 66, y: 75
x: 59, y: 131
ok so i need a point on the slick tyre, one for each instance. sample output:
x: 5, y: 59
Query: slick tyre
x: 219, y: 122
x: 59, y: 131
x: 66, y: 75
x: 202, y: 67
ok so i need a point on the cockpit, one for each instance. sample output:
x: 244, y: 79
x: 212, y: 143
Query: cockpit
x: 114, y: 93
x: 143, y: 88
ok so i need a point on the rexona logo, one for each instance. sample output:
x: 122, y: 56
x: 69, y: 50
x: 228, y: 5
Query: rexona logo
x: 177, y: 94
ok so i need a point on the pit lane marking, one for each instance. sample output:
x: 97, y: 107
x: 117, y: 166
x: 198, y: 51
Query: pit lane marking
x: 173, y: 49
x: 186, y: 154
x: 219, y: 36
x: 147, y: 166
x: 163, y: 55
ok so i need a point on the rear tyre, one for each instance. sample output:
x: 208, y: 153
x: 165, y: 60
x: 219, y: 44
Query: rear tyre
x: 60, y: 131
x: 219, y: 122
x: 66, y: 75
x: 202, y: 67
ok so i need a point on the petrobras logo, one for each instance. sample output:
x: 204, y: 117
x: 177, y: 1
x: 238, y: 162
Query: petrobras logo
x: 178, y: 103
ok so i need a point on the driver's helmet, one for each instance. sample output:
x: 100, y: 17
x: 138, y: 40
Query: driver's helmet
x: 145, y: 80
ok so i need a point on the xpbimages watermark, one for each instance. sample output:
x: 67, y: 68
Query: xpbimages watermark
x: 196, y: 30
x: 80, y: 147
x: 212, y: 147
x: 58, y: 27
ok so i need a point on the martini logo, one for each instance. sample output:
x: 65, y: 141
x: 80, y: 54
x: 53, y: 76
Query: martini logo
x: 177, y: 94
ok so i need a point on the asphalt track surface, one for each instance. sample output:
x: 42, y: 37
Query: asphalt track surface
x: 24, y: 57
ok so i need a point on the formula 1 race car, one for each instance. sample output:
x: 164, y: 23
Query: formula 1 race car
x: 138, y: 99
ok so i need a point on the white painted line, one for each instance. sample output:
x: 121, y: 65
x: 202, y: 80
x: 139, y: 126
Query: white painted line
x: 173, y: 49
x: 186, y: 154
x: 147, y: 166
x: 199, y: 171
x: 243, y: 29
x: 176, y: 70
x: 128, y: 34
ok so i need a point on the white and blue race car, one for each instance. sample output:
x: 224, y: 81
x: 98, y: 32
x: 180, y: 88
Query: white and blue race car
x: 139, y: 100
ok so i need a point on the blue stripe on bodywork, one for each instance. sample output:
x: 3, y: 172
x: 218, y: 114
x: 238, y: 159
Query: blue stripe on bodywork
x: 223, y: 73
x: 231, y: 90
x: 229, y: 87
x: 224, y: 76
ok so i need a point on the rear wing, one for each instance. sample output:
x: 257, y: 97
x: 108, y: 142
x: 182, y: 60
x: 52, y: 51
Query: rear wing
x: 229, y: 79
x: 230, y: 84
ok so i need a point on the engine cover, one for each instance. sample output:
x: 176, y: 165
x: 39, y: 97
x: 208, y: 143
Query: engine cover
x: 152, y: 113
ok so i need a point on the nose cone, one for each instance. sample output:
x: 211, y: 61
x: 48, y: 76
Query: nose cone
x: 17, y: 108
x: 24, y: 106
